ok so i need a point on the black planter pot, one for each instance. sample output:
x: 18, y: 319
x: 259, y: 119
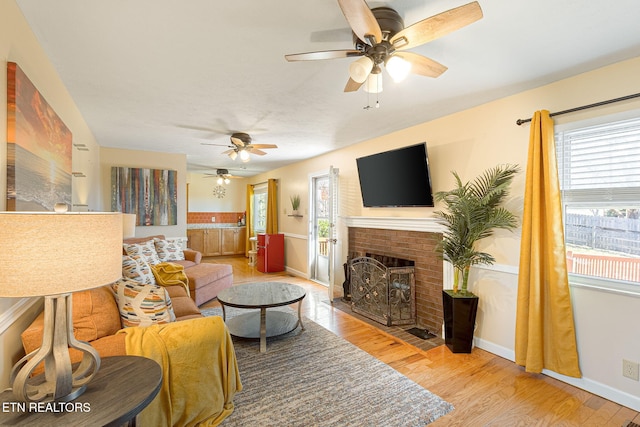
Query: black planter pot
x: 459, y: 320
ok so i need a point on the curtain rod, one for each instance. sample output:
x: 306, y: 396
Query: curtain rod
x: 584, y: 107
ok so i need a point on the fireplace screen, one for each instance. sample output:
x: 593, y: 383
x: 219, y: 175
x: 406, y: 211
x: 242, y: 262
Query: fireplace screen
x: 381, y: 293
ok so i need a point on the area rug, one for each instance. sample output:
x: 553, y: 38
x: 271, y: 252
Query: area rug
x: 315, y: 378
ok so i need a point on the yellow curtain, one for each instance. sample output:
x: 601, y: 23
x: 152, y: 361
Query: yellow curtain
x: 545, y: 333
x: 272, y: 207
x: 249, y: 220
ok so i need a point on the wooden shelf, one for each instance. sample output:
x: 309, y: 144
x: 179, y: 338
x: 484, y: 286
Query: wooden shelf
x: 296, y: 216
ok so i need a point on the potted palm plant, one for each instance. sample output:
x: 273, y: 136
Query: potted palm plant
x: 473, y: 212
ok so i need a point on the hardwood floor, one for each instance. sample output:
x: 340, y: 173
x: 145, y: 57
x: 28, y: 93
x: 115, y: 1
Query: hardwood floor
x: 485, y: 389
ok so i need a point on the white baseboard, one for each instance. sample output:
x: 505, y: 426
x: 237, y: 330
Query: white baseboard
x: 583, y: 383
x: 297, y: 273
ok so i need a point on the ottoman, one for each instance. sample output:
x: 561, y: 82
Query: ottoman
x: 206, y: 280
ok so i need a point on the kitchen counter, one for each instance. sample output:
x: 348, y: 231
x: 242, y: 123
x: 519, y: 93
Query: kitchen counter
x: 214, y: 225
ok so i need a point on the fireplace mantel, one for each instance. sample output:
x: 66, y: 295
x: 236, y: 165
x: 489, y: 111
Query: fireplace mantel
x: 430, y: 225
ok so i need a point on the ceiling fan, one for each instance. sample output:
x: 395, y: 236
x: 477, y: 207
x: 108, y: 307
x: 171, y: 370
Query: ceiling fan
x: 242, y: 146
x: 380, y: 38
x: 223, y: 176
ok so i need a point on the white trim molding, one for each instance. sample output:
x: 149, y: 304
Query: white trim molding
x: 430, y: 225
x: 295, y: 236
x: 14, y: 312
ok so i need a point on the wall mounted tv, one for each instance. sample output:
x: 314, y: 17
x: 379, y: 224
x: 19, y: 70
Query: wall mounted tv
x: 396, y: 178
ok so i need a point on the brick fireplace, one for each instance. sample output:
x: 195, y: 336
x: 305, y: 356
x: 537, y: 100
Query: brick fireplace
x: 413, y: 239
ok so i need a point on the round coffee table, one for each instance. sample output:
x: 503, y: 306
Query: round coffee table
x: 262, y: 295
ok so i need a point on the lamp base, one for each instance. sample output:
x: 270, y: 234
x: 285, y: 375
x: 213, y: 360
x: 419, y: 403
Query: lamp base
x: 61, y: 382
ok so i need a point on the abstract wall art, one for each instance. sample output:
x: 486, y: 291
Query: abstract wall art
x: 38, y: 148
x: 151, y: 194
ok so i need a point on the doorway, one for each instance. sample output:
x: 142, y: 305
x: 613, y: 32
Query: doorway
x: 322, y: 227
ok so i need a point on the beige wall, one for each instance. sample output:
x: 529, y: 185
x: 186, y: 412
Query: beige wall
x: 201, y: 198
x: 18, y: 44
x: 470, y: 142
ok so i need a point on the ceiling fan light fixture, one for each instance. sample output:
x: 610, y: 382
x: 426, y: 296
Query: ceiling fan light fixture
x: 220, y: 180
x: 398, y: 68
x: 360, y: 69
x: 244, y: 156
x: 373, y: 83
x: 227, y: 180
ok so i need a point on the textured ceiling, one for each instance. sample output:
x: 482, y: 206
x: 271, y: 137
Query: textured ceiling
x: 168, y: 75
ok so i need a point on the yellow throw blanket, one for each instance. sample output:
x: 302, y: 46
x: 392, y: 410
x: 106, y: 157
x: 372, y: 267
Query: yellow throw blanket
x: 169, y: 273
x: 200, y: 371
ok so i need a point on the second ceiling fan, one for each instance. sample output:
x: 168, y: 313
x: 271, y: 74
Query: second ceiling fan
x: 380, y: 38
x: 242, y: 147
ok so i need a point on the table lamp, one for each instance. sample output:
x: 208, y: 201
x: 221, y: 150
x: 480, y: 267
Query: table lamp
x: 128, y: 225
x: 52, y: 255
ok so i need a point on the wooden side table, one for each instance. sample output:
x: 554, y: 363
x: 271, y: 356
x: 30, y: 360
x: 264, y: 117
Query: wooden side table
x: 122, y: 388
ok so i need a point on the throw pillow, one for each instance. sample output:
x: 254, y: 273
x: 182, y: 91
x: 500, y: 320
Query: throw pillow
x: 169, y: 250
x: 137, y: 269
x: 142, y: 304
x: 146, y: 251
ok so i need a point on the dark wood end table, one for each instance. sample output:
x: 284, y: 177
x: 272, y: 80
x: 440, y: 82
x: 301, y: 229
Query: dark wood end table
x: 120, y: 390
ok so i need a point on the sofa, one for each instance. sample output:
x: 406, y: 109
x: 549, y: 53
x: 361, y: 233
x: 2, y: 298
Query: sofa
x: 96, y: 320
x: 196, y: 354
x: 206, y: 280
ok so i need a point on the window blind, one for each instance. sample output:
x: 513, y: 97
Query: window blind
x: 600, y: 163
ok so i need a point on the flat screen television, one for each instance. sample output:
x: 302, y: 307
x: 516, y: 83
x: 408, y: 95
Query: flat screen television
x: 396, y: 178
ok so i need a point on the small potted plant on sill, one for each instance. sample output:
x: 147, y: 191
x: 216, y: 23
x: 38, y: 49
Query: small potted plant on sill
x: 473, y: 212
x: 295, y: 204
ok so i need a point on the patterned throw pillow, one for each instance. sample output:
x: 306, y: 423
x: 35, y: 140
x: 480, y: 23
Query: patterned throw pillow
x: 137, y: 269
x: 169, y: 249
x: 141, y: 304
x: 146, y: 251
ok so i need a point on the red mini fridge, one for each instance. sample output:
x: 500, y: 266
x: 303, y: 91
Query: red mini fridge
x: 270, y: 253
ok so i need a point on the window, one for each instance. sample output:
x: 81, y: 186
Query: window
x: 599, y: 173
x: 260, y: 208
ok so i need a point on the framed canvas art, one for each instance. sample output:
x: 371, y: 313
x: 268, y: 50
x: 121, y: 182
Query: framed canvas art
x: 38, y: 148
x: 148, y: 193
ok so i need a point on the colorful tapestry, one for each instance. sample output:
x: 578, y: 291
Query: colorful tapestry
x: 151, y: 194
x: 38, y: 148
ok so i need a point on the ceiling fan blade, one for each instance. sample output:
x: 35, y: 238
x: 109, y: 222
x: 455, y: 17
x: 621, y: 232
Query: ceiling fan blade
x: 237, y: 141
x: 256, y: 151
x: 437, y: 26
x: 361, y: 19
x: 216, y: 145
x: 229, y: 151
x: 422, y: 65
x: 263, y: 146
x: 326, y: 54
x: 352, y: 85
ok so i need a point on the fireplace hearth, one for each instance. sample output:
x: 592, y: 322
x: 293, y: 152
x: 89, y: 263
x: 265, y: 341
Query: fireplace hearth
x: 407, y: 238
x: 384, y: 292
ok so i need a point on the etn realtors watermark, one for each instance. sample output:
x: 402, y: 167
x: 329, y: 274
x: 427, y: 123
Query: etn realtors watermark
x: 52, y: 407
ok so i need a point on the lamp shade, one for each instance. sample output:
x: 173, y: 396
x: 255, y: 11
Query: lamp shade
x: 373, y: 83
x: 360, y: 69
x: 47, y: 253
x: 398, y: 68
x: 128, y: 225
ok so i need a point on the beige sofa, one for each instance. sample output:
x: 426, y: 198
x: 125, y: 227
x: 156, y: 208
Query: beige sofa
x: 206, y: 280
